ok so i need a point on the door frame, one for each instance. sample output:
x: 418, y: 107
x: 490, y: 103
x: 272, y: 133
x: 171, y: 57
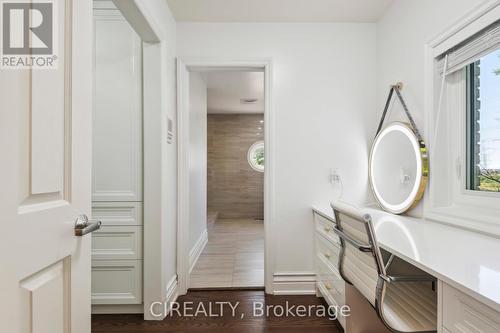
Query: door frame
x: 152, y: 38
x: 184, y: 66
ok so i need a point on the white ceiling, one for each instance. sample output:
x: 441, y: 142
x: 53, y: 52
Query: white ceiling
x: 278, y: 10
x: 225, y: 89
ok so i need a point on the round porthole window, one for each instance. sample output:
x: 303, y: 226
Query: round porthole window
x: 255, y: 156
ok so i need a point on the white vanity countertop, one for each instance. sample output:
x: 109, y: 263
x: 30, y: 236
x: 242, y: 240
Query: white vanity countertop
x: 466, y: 260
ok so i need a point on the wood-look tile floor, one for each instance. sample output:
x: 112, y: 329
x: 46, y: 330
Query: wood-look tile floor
x: 233, y: 257
x: 227, y: 323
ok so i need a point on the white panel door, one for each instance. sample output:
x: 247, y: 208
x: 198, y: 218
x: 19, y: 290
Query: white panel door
x: 45, y: 180
x: 117, y: 121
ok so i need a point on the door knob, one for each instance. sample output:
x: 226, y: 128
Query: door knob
x: 83, y: 226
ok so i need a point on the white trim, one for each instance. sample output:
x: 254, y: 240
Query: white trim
x: 104, y: 5
x: 183, y: 66
x: 471, y: 213
x: 117, y: 309
x: 485, y: 14
x: 158, y: 310
x: 197, y: 249
x: 142, y: 21
x: 182, y: 176
x: 269, y: 194
x: 291, y: 283
x: 172, y: 292
x: 440, y: 308
x: 153, y: 268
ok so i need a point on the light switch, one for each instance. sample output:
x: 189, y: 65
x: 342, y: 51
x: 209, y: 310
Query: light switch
x: 170, y: 130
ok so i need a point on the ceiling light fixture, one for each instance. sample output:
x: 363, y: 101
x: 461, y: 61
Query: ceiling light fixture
x: 248, y: 100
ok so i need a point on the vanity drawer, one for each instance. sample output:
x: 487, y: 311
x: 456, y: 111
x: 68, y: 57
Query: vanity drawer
x: 331, y: 279
x: 117, y: 242
x: 117, y: 282
x: 463, y: 314
x: 327, y: 250
x: 324, y: 227
x: 117, y: 213
x: 331, y: 302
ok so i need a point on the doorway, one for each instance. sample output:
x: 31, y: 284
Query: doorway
x: 225, y: 135
x: 227, y: 140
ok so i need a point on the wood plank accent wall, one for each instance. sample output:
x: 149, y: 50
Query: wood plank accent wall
x: 234, y: 189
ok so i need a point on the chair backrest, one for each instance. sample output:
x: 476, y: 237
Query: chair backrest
x: 360, y: 261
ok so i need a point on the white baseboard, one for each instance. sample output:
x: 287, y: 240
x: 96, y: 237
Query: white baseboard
x: 172, y: 292
x: 291, y: 283
x: 158, y: 310
x: 117, y: 308
x: 197, y: 249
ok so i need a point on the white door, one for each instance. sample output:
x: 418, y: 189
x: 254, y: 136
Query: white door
x: 45, y: 181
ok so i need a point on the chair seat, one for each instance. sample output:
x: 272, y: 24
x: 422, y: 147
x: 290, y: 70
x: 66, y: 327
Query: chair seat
x: 410, y: 306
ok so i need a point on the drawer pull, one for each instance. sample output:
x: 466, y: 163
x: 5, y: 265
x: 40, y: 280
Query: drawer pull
x: 327, y: 255
x: 327, y: 229
x: 327, y: 286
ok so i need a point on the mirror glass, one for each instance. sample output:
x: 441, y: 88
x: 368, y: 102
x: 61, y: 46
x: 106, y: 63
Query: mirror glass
x: 398, y: 168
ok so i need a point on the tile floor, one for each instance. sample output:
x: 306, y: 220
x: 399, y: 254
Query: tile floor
x: 233, y: 257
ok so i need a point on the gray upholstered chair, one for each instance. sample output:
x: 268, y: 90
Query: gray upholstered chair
x: 402, y: 295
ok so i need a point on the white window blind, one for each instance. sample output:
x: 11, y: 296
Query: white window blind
x: 469, y: 51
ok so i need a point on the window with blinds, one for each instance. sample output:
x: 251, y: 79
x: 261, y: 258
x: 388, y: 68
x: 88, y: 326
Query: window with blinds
x: 479, y: 57
x: 471, y: 50
x: 463, y: 122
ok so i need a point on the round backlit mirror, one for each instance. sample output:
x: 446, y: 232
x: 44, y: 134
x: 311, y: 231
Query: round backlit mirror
x: 399, y: 168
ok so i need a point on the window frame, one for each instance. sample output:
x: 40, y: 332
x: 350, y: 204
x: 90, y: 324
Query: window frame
x: 472, y: 70
x: 448, y: 199
x: 471, y: 128
x: 466, y: 196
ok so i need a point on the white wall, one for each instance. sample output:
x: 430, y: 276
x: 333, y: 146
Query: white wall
x: 197, y: 157
x: 169, y: 161
x: 323, y: 88
x: 401, y: 37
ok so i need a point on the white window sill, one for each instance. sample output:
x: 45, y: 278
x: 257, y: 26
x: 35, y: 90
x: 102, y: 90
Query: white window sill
x: 478, y: 219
